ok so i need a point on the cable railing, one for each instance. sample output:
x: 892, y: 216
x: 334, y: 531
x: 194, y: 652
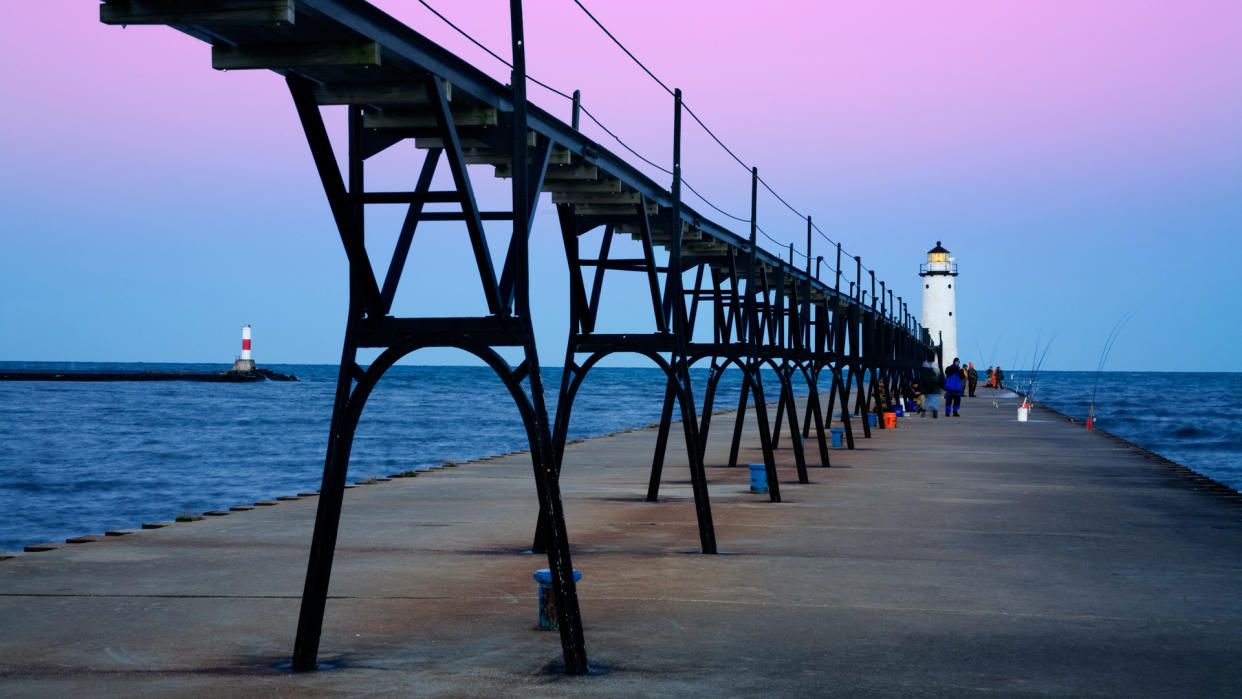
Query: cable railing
x: 791, y: 247
x: 706, y: 129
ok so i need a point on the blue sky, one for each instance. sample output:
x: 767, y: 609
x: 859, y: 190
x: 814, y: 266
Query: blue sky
x: 1081, y: 161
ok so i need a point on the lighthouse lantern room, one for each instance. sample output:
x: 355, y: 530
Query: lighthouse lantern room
x: 939, y: 276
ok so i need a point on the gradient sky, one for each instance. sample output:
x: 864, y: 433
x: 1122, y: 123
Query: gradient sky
x: 1080, y: 159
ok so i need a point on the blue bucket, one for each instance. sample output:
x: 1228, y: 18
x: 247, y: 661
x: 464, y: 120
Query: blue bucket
x: 838, y: 436
x: 547, y: 600
x: 758, y: 478
x: 872, y: 418
x: 897, y: 409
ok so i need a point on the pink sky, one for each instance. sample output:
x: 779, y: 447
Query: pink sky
x: 1103, y: 135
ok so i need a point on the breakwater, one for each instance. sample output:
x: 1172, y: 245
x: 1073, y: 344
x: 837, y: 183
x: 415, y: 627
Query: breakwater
x: 215, y: 377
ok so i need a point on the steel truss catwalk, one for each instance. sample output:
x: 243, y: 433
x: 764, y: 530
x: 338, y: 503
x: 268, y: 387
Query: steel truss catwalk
x: 763, y: 311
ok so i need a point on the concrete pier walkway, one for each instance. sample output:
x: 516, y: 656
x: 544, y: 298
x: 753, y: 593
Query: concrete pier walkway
x: 958, y: 556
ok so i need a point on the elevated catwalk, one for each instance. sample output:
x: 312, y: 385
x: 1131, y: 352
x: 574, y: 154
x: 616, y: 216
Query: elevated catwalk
x: 758, y: 310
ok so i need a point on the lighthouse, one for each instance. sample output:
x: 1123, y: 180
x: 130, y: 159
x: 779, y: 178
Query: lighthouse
x: 939, y: 301
x: 245, y: 363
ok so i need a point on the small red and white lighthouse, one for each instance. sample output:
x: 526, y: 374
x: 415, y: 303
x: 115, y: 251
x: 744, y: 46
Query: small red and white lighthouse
x: 245, y: 363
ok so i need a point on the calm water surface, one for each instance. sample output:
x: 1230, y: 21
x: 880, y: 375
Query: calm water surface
x: 80, y: 458
x: 1194, y: 419
x: 85, y: 457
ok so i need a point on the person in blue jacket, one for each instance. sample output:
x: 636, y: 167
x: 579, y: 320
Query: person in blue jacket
x: 953, y: 388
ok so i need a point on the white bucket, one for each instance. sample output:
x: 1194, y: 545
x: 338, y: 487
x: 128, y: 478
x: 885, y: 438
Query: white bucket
x: 1024, y: 411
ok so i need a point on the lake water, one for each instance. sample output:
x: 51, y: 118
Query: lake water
x: 83, y: 457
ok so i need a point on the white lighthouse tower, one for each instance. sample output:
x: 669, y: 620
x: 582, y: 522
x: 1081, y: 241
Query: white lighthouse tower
x: 939, y: 300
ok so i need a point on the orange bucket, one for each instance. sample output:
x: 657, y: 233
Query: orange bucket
x: 890, y: 420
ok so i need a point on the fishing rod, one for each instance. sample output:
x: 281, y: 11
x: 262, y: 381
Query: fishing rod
x: 1036, y: 365
x: 1034, y: 356
x: 1099, y: 368
x: 1013, y: 366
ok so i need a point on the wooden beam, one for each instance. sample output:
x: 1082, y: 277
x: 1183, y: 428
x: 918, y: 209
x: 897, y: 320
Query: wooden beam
x: 560, y: 172
x: 486, y: 158
x: 619, y: 210
x: 688, y: 233
x: 466, y: 141
x: 468, y: 144
x: 277, y: 56
x: 635, y: 230
x: 613, y: 211
x: 504, y: 164
x: 595, y: 198
x: 582, y: 186
x: 418, y: 118
x: 378, y: 93
x: 139, y: 12
x: 710, y: 247
x: 687, y: 236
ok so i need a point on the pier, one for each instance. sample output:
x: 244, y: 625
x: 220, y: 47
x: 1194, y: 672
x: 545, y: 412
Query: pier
x: 965, y: 556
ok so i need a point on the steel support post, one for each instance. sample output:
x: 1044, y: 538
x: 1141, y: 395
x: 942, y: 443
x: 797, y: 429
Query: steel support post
x: 347, y: 206
x: 859, y: 351
x: 814, y: 411
x: 545, y: 468
x: 714, y: 373
x: 666, y: 418
x: 328, y: 512
x: 679, y: 365
x: 795, y: 436
x: 739, y: 418
x: 753, y: 380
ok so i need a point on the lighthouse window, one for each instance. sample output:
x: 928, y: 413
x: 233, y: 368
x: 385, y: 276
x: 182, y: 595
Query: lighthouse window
x: 950, y: 286
x: 927, y: 286
x: 950, y: 312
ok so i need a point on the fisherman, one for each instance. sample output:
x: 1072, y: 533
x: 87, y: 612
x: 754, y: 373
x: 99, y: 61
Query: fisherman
x: 908, y: 391
x: 953, y: 388
x: 972, y: 376
x: 998, y: 378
